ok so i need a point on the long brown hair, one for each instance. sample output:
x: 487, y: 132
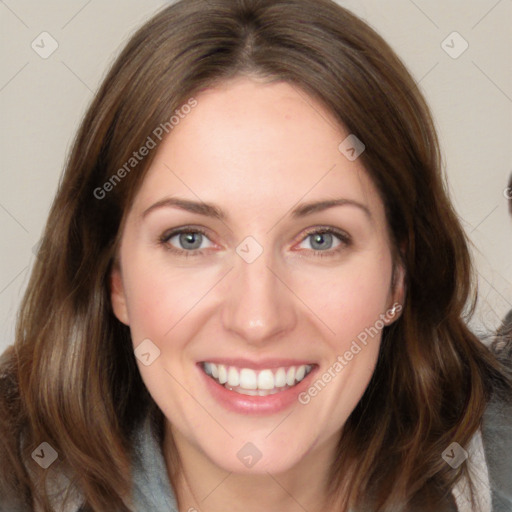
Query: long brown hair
x: 71, y: 378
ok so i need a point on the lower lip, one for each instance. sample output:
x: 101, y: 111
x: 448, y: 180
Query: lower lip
x: 245, y: 404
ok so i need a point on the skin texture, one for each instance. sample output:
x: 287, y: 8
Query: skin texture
x: 256, y: 151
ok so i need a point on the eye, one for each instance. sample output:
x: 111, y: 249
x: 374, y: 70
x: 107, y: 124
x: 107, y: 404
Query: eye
x: 188, y: 241
x: 326, y: 241
x: 185, y: 241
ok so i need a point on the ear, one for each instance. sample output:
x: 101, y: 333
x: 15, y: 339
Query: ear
x: 117, y: 295
x: 398, y: 292
x: 399, y: 288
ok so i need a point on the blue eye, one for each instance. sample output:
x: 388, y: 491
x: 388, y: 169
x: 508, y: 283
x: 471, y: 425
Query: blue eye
x: 189, y: 241
x: 321, y: 241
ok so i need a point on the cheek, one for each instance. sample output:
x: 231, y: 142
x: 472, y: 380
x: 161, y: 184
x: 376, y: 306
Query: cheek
x: 150, y: 308
x: 160, y: 295
x: 160, y: 300
x: 350, y: 302
x: 351, y: 297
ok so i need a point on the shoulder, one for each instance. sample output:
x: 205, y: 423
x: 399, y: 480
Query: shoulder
x: 15, y: 474
x: 497, y: 435
x: 10, y: 470
x: 151, y: 486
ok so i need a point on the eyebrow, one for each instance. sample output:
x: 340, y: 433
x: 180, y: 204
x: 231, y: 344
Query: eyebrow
x: 210, y: 210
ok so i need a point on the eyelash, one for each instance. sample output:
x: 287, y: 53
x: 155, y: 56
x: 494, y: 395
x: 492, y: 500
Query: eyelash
x: 345, y: 241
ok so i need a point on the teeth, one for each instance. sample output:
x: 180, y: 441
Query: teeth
x: 290, y: 376
x: 262, y: 383
x: 280, y: 378
x: 250, y: 392
x: 248, y: 379
x: 208, y: 368
x: 223, y: 374
x: 266, y: 380
x: 233, y: 377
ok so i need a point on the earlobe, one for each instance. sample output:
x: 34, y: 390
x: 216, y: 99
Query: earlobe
x: 398, y: 293
x: 117, y: 295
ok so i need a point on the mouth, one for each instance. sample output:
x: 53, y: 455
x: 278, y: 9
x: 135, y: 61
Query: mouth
x: 252, y: 382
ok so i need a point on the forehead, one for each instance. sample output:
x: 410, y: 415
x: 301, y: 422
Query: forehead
x: 248, y: 144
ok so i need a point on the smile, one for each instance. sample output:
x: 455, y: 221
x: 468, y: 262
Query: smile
x: 247, y: 381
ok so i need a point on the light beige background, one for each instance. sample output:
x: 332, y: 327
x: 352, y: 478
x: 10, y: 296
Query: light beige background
x: 43, y: 100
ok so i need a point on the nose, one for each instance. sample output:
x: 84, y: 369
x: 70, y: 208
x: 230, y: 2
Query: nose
x: 259, y: 307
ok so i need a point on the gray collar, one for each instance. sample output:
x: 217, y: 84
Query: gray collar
x: 497, y: 441
x: 151, y: 486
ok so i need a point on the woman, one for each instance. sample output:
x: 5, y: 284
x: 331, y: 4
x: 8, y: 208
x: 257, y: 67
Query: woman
x: 256, y: 369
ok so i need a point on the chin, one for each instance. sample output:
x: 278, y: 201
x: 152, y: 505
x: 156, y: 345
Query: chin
x: 255, y: 455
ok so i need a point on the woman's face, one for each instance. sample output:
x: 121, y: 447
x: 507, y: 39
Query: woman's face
x: 248, y: 292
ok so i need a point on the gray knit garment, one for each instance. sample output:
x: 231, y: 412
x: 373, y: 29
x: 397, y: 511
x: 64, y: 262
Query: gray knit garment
x: 152, y: 489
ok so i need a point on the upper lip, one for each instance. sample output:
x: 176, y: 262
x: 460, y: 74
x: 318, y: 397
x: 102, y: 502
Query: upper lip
x: 258, y: 365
